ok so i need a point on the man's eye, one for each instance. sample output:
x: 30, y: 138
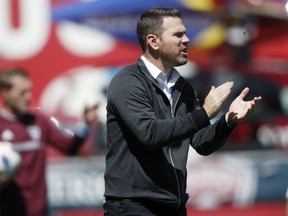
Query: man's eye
x: 179, y: 35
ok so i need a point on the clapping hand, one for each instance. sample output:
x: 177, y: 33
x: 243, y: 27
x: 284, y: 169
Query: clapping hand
x: 240, y: 109
x: 215, y: 98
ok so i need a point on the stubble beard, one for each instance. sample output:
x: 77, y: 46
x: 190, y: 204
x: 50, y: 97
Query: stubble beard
x: 175, y: 61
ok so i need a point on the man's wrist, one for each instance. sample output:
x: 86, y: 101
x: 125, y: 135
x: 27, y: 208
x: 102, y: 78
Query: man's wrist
x: 230, y: 124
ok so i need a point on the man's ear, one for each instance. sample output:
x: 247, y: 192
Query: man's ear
x: 152, y: 41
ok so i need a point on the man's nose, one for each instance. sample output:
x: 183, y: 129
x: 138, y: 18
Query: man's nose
x: 185, y: 39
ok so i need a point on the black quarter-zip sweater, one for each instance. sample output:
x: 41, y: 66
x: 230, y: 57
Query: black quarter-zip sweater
x: 148, y: 139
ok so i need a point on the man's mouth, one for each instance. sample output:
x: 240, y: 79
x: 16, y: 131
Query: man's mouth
x: 184, y: 51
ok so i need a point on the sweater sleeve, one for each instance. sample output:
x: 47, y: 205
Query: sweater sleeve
x: 211, y: 138
x: 128, y: 101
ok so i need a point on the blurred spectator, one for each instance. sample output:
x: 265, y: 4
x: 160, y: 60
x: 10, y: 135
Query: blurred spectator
x: 29, y: 130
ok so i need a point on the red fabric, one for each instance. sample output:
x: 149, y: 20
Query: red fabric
x: 26, y: 194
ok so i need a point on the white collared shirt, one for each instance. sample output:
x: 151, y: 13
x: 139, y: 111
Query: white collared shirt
x: 165, y: 82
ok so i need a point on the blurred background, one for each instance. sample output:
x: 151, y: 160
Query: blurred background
x: 72, y: 49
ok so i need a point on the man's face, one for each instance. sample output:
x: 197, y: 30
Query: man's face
x: 173, y: 43
x: 17, y: 98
